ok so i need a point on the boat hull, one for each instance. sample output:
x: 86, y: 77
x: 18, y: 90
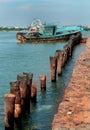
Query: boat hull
x: 21, y: 37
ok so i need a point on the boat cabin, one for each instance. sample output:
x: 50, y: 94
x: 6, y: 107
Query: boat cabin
x: 49, y: 30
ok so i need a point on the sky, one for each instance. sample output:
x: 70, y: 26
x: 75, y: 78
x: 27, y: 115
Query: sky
x: 22, y: 12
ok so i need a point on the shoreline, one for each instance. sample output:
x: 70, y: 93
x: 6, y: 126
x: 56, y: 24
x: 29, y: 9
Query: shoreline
x: 74, y: 111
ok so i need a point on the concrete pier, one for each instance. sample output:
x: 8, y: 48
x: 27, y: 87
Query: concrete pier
x: 74, y: 110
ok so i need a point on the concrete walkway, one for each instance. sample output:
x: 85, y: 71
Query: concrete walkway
x: 74, y: 110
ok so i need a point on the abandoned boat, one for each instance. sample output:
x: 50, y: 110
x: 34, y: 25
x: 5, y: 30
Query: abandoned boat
x: 39, y: 32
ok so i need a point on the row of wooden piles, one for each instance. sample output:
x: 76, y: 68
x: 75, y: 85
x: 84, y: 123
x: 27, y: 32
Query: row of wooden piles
x: 61, y: 57
x: 23, y: 91
x: 17, y: 102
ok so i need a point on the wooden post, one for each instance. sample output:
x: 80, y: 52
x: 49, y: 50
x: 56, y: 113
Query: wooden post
x: 33, y: 92
x: 53, y: 65
x: 22, y: 79
x: 78, y: 38
x: 67, y: 52
x: 29, y: 83
x: 59, y: 61
x: 42, y: 79
x: 29, y: 77
x: 14, y: 89
x: 64, y: 56
x: 57, y: 52
x: 71, y: 45
x: 9, y: 105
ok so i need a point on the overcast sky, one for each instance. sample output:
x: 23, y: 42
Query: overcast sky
x: 22, y: 12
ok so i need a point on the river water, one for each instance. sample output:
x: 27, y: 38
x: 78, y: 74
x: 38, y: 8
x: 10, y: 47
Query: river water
x: 17, y: 58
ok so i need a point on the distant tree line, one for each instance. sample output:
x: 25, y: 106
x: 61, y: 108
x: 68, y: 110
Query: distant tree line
x: 13, y: 28
x: 85, y: 27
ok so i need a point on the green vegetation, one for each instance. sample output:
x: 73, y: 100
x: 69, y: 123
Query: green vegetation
x: 13, y: 28
x: 85, y: 27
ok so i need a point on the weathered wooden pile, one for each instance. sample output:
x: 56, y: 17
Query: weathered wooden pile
x: 22, y: 91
